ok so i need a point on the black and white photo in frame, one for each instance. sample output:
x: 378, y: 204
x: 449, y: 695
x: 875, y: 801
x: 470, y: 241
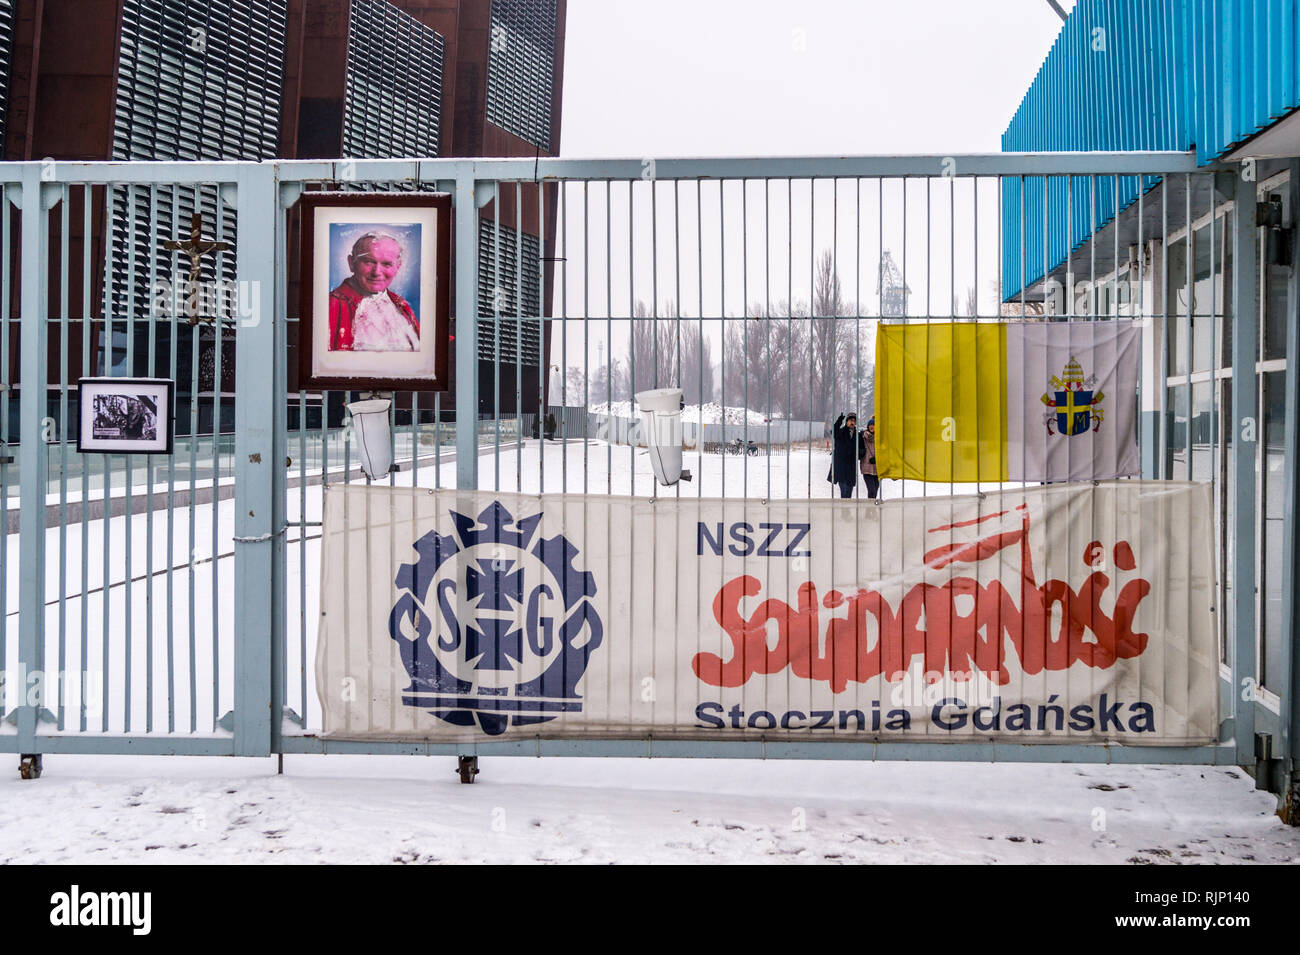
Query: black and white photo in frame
x: 125, y: 415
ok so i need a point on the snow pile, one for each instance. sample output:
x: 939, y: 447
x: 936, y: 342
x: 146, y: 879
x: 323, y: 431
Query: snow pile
x: 713, y: 413
x: 619, y: 409
x: 709, y: 413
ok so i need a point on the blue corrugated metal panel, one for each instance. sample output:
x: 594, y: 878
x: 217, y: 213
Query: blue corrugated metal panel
x: 1142, y: 75
x: 1112, y: 81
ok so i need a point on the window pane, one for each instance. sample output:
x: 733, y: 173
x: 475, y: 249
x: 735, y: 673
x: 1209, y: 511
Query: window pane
x: 1177, y: 425
x: 1176, y: 307
x: 1208, y: 300
x: 1227, y: 554
x: 1202, y: 464
x: 1275, y: 290
x: 1225, y: 357
x: 1273, y: 572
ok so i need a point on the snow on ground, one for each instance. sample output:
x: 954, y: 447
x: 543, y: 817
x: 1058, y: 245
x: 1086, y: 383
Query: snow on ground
x: 369, y: 809
x: 603, y: 468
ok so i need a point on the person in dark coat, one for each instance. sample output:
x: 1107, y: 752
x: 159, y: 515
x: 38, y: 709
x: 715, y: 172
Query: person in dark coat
x: 847, y: 449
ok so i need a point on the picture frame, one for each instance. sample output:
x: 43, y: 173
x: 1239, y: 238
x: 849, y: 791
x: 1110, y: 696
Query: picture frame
x: 125, y: 415
x: 375, y: 297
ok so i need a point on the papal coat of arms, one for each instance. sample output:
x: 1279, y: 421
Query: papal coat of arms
x: 1075, y: 407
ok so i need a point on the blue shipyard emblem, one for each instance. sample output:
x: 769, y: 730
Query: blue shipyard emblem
x: 495, y: 624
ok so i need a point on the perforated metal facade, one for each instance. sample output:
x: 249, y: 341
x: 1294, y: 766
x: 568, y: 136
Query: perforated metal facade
x: 394, y: 83
x: 499, y: 294
x: 200, y: 79
x: 1160, y: 74
x: 521, y: 68
x: 197, y: 80
x: 6, y: 55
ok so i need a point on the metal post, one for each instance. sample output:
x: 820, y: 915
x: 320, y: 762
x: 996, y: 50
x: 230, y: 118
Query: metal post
x: 1289, y: 714
x: 1153, y: 364
x: 278, y: 318
x: 466, y: 304
x: 259, y: 458
x: 32, y: 466
x: 1245, y: 346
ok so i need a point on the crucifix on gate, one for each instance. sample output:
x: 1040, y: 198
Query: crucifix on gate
x: 195, y: 247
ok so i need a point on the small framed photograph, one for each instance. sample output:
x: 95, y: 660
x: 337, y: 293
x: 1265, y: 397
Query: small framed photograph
x: 125, y: 415
x: 376, y: 290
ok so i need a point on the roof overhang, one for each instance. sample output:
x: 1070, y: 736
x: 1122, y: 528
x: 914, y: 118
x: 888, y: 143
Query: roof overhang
x: 1279, y: 141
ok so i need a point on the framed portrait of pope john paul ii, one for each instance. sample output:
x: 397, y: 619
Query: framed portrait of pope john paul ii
x: 375, y: 291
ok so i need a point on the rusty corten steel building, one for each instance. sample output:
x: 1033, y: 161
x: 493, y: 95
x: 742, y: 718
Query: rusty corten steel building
x: 293, y: 79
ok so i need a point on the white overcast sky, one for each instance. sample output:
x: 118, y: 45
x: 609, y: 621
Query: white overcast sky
x: 671, y: 78
x: 728, y: 77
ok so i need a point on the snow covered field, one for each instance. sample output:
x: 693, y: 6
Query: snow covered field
x: 363, y: 809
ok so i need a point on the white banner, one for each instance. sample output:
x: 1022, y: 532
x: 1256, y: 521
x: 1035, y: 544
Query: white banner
x: 1067, y: 613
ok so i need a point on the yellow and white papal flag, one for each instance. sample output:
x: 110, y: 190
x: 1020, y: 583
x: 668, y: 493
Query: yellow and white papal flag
x: 1007, y: 401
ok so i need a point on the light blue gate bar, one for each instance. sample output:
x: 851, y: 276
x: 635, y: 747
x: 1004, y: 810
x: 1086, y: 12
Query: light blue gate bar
x: 1159, y: 162
x: 466, y: 306
x: 973, y: 751
x: 259, y: 462
x: 1245, y: 384
x: 1287, y: 746
x: 34, y: 359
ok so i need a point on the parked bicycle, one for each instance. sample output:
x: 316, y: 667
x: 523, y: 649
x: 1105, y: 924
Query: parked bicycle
x: 739, y: 446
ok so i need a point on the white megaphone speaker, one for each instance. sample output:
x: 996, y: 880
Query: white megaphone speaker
x: 661, y: 410
x: 374, y: 437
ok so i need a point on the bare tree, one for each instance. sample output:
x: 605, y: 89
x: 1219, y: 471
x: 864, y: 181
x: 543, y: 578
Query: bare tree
x: 766, y: 362
x: 791, y: 366
x: 855, y: 366
x: 669, y: 351
x: 747, y: 345
x: 833, y: 344
x: 620, y: 385
x: 801, y: 360
x: 696, y: 379
x: 653, y: 359
x: 575, y: 387
x: 603, y: 381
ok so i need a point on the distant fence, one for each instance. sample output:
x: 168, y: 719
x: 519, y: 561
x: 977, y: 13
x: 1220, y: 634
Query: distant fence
x: 570, y: 422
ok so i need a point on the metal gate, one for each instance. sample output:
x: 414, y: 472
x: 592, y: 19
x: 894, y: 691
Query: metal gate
x: 173, y: 598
